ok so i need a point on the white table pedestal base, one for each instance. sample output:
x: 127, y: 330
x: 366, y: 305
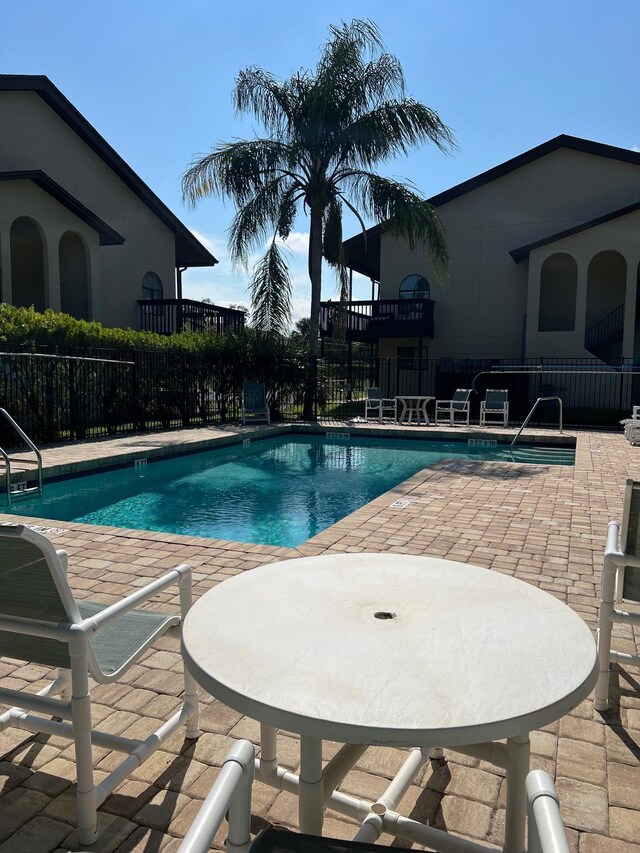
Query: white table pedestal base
x: 315, y: 789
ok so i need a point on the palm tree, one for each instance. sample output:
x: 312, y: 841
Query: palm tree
x: 325, y: 131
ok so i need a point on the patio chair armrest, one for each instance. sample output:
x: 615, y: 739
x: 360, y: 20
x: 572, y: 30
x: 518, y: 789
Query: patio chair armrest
x: 546, y: 829
x: 230, y: 792
x: 180, y: 575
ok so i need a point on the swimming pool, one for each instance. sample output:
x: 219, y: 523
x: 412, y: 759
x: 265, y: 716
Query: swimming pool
x: 278, y: 491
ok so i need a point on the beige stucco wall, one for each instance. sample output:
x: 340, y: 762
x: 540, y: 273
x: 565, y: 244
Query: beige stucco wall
x: 35, y: 137
x: 53, y: 220
x: 620, y: 235
x: 481, y: 310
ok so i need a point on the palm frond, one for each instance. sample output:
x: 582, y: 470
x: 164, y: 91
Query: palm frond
x: 236, y: 169
x: 335, y: 94
x: 332, y: 237
x: 392, y: 128
x: 270, y: 287
x: 256, y: 219
x: 405, y: 213
x: 264, y: 96
x: 287, y: 212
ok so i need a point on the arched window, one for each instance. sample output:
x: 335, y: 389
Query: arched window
x: 415, y: 287
x: 152, y: 286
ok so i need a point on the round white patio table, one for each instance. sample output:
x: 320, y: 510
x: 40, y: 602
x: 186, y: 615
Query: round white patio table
x: 392, y: 649
x: 413, y: 405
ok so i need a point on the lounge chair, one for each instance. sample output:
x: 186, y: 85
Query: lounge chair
x: 620, y: 582
x: 376, y: 405
x: 254, y: 403
x: 41, y: 622
x: 232, y: 791
x: 632, y: 426
x: 495, y: 403
x: 458, y: 406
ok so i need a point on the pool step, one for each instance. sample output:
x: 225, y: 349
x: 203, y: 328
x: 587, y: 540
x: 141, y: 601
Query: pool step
x: 24, y: 492
x: 550, y: 455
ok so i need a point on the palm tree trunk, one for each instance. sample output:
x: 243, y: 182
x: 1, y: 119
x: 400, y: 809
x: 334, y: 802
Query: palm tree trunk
x: 315, y: 275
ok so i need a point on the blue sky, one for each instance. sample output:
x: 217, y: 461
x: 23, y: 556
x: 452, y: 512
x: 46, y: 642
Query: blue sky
x: 155, y: 78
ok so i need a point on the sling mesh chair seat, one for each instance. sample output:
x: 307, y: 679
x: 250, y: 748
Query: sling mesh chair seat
x: 456, y: 410
x: 254, y: 403
x: 41, y: 622
x: 376, y: 405
x: 495, y: 405
x: 231, y: 795
x: 620, y: 583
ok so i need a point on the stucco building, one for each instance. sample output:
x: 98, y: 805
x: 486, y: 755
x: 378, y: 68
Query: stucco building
x: 80, y: 231
x: 544, y: 262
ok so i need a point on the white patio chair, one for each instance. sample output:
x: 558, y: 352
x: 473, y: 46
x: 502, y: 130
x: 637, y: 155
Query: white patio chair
x: 232, y: 791
x: 620, y: 582
x: 632, y: 431
x: 458, y: 407
x: 495, y: 403
x: 376, y: 405
x: 254, y: 403
x: 41, y: 622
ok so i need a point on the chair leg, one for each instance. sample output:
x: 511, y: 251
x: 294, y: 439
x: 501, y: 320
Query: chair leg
x: 191, y: 698
x: 605, y: 626
x: 81, y: 722
x: 190, y: 685
x: 65, y: 692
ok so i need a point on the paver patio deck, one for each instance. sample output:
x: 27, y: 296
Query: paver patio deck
x: 543, y: 524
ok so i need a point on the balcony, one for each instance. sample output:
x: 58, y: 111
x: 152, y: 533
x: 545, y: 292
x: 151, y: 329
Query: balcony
x: 168, y: 316
x: 369, y: 320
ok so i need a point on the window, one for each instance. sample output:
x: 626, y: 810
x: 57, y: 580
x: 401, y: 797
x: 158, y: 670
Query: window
x: 409, y: 358
x: 415, y: 287
x: 152, y: 286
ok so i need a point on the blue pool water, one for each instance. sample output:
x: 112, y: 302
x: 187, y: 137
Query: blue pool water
x: 278, y: 491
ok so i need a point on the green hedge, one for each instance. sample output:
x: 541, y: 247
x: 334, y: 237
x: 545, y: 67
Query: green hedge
x: 163, y: 381
x: 26, y: 326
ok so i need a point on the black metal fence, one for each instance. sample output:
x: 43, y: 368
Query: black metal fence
x: 79, y: 393
x: 593, y: 394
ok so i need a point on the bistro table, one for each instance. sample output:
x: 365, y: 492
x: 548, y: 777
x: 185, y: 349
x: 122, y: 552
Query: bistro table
x: 389, y: 649
x: 413, y: 405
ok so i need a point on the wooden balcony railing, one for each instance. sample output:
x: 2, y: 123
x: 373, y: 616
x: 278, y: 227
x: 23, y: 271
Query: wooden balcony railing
x: 168, y: 316
x: 370, y: 320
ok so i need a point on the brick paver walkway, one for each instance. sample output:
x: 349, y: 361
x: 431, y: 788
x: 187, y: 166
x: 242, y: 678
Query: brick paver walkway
x: 545, y: 525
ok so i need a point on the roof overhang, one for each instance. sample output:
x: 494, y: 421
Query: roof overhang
x: 108, y: 236
x: 522, y: 253
x: 189, y: 250
x: 362, y: 252
x: 368, y: 263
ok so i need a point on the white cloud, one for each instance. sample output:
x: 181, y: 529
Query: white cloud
x: 635, y: 148
x: 297, y: 242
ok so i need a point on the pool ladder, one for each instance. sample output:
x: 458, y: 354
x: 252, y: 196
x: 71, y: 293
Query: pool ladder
x: 20, y: 490
x: 533, y: 408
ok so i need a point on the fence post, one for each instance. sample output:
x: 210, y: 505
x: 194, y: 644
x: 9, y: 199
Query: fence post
x: 314, y: 370
x: 135, y: 403
x: 184, y: 389
x: 73, y: 400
